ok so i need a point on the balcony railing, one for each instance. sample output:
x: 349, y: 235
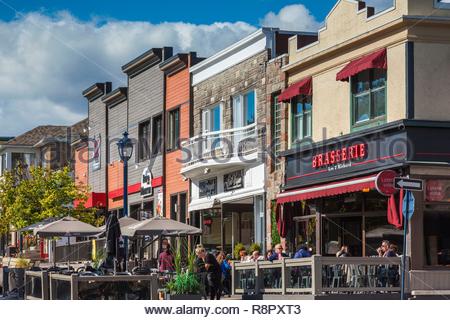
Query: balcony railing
x: 318, y: 276
x: 220, y: 145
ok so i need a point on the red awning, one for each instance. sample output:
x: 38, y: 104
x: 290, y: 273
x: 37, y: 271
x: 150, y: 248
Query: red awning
x: 375, y: 60
x: 329, y: 189
x: 95, y: 200
x: 302, y: 87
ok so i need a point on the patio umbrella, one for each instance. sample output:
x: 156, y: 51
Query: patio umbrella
x: 123, y: 222
x: 67, y: 227
x: 32, y: 227
x: 39, y: 224
x: 383, y: 232
x: 160, y: 226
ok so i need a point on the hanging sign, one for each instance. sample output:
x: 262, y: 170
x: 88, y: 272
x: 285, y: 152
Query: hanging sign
x: 96, y: 163
x: 146, y: 183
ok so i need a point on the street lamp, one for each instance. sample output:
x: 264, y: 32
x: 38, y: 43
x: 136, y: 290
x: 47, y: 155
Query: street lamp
x: 125, y: 152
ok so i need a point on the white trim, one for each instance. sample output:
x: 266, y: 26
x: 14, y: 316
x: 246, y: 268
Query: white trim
x: 201, y: 205
x: 325, y: 187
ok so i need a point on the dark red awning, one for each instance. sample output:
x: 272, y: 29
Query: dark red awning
x: 302, y: 87
x: 375, y: 60
x: 95, y: 200
x: 329, y: 189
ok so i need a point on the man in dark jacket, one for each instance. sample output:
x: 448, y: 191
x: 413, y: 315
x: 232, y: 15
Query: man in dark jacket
x: 213, y: 273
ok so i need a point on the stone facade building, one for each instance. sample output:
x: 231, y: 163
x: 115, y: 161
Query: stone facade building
x: 226, y: 159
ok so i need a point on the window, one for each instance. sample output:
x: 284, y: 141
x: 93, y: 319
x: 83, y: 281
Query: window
x: 157, y: 135
x: 442, y: 4
x: 2, y: 163
x: 301, y: 110
x: 144, y: 141
x: 212, y: 122
x: 211, y: 119
x: 173, y: 129
x: 276, y: 130
x: 437, y: 238
x: 244, y: 112
x: 25, y: 159
x: 369, y: 97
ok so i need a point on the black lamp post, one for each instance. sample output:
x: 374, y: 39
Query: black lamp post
x: 125, y: 152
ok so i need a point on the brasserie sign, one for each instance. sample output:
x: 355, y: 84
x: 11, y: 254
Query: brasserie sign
x: 343, y: 158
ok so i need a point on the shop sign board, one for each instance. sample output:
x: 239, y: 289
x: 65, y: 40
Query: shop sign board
x: 345, y: 157
x: 96, y: 163
x: 233, y: 180
x: 207, y: 187
x: 146, y: 183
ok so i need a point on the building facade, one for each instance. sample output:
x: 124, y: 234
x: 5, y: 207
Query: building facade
x: 366, y: 101
x: 178, y: 125
x: 225, y: 158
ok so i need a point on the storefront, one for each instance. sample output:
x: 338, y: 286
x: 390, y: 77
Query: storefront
x: 332, y: 194
x: 229, y: 207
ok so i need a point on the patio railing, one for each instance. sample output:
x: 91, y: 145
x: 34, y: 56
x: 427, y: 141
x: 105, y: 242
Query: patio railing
x: 318, y: 276
x: 36, y: 285
x: 114, y: 287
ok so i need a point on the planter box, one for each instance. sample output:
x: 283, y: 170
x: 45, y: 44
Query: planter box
x: 184, y: 297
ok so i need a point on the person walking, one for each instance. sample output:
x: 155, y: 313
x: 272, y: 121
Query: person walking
x: 213, y: 273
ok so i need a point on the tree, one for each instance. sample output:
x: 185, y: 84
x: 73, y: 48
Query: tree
x: 29, y: 196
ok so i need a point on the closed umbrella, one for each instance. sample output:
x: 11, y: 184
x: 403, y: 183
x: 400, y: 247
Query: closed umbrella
x: 67, y: 227
x: 113, y: 234
x: 159, y: 226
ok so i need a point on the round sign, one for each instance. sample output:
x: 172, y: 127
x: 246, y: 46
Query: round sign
x: 385, y: 182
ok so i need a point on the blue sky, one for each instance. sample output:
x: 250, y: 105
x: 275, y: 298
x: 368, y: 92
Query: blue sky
x: 52, y: 50
x: 198, y: 12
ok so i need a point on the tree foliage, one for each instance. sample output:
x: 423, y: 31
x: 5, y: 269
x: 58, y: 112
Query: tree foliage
x: 31, y: 195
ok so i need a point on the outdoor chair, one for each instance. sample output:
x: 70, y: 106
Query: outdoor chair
x: 357, y: 276
x: 372, y: 276
x: 337, y: 277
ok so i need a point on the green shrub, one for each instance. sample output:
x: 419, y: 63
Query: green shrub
x: 237, y: 248
x: 254, y: 247
x: 275, y: 235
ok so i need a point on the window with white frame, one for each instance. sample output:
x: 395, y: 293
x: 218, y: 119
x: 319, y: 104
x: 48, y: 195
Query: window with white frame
x: 212, y: 119
x: 244, y: 109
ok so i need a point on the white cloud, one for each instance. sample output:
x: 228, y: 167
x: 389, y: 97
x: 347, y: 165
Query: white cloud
x: 293, y: 17
x: 45, y: 62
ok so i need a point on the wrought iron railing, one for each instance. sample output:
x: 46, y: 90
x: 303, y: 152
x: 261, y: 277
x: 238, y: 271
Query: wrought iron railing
x: 220, y: 145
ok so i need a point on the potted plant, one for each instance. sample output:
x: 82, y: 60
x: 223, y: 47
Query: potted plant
x: 185, y: 285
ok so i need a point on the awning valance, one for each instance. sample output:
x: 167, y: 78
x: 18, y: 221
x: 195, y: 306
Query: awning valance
x: 375, y: 60
x: 329, y: 189
x: 302, y: 87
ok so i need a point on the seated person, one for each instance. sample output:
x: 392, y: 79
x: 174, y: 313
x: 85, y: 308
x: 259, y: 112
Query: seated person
x: 303, y: 252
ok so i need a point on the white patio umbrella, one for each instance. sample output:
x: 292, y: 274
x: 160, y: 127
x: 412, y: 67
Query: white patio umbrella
x: 67, y: 227
x: 159, y: 226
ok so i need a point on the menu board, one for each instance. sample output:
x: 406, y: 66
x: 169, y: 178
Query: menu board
x: 437, y: 190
